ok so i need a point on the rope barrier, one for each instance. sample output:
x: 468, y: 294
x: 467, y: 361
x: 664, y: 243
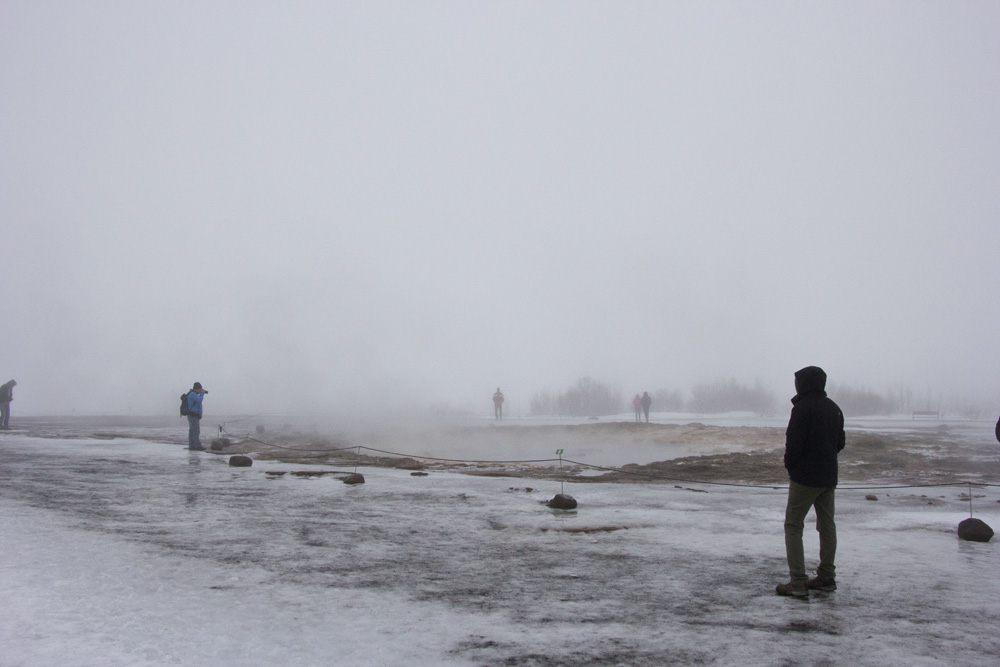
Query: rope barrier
x: 390, y: 453
x: 770, y: 486
x: 665, y: 478
x: 222, y: 426
x: 622, y: 471
x: 469, y: 461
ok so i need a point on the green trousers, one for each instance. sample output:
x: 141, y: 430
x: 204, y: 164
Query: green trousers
x: 800, y: 499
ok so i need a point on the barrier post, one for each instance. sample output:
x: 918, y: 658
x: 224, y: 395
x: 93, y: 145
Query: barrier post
x: 561, y: 483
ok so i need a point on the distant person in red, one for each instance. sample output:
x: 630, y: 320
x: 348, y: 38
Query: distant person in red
x: 637, y: 404
x: 6, y: 396
x: 646, y: 402
x: 498, y: 404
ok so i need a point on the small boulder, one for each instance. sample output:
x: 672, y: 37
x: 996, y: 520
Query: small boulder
x: 220, y: 443
x: 871, y: 496
x: 240, y: 461
x: 418, y: 474
x: 354, y: 478
x: 975, y: 530
x: 561, y: 501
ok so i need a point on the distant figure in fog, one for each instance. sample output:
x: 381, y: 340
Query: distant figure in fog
x: 814, y: 437
x: 194, y: 401
x: 498, y: 404
x: 637, y: 404
x: 6, y: 396
x: 646, y: 402
x: 998, y: 430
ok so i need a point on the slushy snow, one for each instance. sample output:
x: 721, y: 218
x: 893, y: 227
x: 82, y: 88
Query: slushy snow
x: 131, y: 552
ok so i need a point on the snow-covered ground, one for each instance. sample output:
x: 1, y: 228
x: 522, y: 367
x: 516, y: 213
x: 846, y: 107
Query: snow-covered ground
x: 127, y: 551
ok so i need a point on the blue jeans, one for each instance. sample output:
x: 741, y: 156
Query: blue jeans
x: 194, y: 430
x: 800, y: 499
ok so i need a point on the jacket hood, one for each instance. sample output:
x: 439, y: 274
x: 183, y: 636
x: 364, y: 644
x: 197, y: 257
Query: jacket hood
x: 810, y: 378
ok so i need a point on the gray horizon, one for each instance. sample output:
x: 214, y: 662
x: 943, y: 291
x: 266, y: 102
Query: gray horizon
x: 336, y: 207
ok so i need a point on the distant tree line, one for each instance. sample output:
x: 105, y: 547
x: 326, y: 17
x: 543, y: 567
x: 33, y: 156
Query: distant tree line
x: 862, y: 401
x: 731, y: 396
x: 589, y: 398
x: 586, y: 398
x: 668, y: 400
x: 593, y: 398
x: 858, y: 401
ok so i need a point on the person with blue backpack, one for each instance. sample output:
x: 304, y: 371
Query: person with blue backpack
x: 191, y: 406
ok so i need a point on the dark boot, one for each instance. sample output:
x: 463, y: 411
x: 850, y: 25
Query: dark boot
x: 826, y: 584
x: 793, y: 589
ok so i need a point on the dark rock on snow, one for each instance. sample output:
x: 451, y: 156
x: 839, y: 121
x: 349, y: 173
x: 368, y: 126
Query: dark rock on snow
x: 871, y: 496
x: 220, y: 443
x: 239, y: 461
x: 354, y: 478
x: 562, y: 502
x: 975, y: 530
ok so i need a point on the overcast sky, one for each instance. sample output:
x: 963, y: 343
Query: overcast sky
x: 309, y: 205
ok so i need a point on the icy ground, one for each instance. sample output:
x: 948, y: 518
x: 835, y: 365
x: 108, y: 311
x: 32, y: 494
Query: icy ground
x: 131, y: 552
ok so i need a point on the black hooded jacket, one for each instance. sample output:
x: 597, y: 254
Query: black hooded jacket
x: 815, y: 432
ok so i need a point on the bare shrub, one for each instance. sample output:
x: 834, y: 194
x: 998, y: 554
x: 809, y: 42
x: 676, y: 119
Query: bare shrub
x: 730, y: 396
x: 667, y: 400
x: 542, y: 403
x: 586, y: 398
x: 858, y: 401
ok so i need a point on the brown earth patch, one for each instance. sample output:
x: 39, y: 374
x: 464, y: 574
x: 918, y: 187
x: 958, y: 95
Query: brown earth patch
x: 929, y: 456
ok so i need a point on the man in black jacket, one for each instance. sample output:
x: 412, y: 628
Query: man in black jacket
x: 814, y: 436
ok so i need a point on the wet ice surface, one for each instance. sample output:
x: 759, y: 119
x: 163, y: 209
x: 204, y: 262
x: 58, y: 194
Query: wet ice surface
x: 130, y: 552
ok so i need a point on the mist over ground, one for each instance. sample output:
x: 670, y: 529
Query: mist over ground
x: 387, y: 207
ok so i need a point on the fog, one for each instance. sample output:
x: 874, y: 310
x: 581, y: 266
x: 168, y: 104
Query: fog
x: 325, y: 206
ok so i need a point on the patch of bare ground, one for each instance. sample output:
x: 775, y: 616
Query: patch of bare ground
x: 897, y: 458
x: 763, y: 467
x: 925, y: 457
